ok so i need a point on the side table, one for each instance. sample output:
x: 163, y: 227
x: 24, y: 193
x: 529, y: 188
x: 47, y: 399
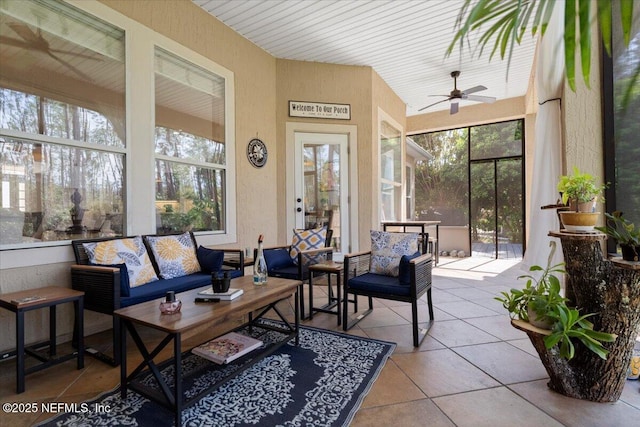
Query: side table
x: 328, y: 267
x: 34, y: 299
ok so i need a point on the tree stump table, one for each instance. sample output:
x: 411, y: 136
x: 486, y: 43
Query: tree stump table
x: 611, y: 289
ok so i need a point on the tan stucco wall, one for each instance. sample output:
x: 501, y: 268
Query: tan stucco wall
x: 365, y: 91
x: 321, y: 82
x: 582, y: 123
x: 385, y: 100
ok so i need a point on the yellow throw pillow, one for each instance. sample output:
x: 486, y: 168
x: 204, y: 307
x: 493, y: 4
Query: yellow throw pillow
x: 304, y: 240
x: 174, y: 255
x: 129, y: 251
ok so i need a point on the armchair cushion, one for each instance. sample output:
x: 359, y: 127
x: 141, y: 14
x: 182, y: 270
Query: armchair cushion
x: 174, y: 255
x: 304, y: 240
x: 404, y: 273
x: 378, y: 283
x: 388, y: 248
x: 277, y: 258
x: 130, y: 251
x: 210, y: 260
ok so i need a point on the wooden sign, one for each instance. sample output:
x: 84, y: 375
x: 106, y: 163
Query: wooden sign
x: 319, y: 110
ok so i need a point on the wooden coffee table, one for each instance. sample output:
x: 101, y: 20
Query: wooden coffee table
x: 193, y: 315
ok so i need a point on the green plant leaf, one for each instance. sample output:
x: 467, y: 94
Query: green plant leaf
x: 604, y: 18
x: 626, y: 13
x: 570, y: 42
x: 551, y: 340
x: 584, y: 9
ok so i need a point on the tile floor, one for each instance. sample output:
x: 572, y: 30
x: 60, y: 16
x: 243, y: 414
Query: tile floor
x: 473, y: 369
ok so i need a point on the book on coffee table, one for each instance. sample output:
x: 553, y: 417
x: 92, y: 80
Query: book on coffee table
x: 227, y: 347
x: 231, y: 294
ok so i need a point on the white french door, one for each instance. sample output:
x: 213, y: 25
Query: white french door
x: 322, y: 184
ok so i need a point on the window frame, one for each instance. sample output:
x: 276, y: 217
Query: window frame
x: 398, y: 186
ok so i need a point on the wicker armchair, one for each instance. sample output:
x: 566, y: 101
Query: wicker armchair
x: 359, y: 281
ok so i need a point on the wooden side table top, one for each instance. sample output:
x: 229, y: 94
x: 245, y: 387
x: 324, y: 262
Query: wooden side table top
x: 47, y: 296
x: 327, y: 266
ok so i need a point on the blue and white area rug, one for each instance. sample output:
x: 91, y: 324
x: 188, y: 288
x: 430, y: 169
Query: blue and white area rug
x: 321, y: 382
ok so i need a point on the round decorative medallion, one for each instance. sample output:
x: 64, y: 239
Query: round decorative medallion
x: 257, y: 153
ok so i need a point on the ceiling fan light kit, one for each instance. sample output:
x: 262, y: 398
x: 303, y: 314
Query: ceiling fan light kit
x: 456, y: 95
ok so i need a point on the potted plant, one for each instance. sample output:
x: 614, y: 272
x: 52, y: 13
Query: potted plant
x: 541, y: 304
x: 625, y: 233
x: 579, y: 192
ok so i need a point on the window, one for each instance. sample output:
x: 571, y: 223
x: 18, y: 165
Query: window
x: 390, y: 171
x: 74, y: 163
x: 62, y: 124
x: 190, y: 146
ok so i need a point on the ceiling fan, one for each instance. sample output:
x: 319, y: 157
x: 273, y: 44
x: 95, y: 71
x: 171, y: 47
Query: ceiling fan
x: 456, y: 95
x: 33, y: 40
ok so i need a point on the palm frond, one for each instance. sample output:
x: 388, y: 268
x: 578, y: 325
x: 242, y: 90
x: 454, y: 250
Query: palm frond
x: 504, y: 22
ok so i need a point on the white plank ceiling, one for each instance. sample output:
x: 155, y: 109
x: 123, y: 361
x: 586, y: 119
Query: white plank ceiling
x: 404, y: 41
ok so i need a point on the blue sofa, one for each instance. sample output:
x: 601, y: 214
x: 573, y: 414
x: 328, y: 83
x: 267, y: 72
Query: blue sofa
x: 106, y: 288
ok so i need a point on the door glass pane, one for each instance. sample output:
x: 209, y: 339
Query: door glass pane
x: 510, y: 212
x: 483, y: 213
x: 322, y: 188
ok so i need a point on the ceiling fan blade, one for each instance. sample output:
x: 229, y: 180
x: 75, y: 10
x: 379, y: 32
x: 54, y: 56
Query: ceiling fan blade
x: 474, y: 89
x: 24, y: 31
x: 446, y: 96
x: 71, y: 67
x: 14, y: 42
x: 431, y: 105
x: 454, y: 108
x: 486, y: 99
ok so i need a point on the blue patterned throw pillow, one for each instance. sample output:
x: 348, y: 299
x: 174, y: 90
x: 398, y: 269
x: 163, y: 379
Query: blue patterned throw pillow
x: 304, y: 240
x: 388, y: 248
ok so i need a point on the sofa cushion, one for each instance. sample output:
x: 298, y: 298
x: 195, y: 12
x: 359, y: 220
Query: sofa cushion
x: 277, y: 258
x: 130, y: 251
x: 210, y: 260
x: 175, y: 256
x: 387, y: 249
x: 404, y: 272
x: 158, y: 289
x: 304, y: 240
x: 378, y: 283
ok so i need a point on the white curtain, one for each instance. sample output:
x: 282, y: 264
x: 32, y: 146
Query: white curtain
x: 548, y: 146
